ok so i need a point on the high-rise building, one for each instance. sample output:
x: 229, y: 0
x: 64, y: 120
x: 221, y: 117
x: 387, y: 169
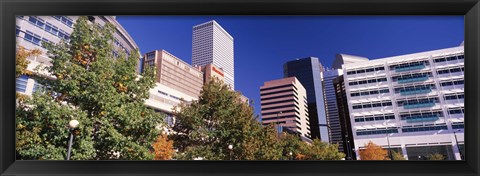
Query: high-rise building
x: 284, y: 103
x: 309, y: 72
x: 346, y: 144
x: 337, y: 131
x: 31, y: 31
x: 210, y: 71
x: 176, y: 81
x: 213, y: 45
x: 412, y: 104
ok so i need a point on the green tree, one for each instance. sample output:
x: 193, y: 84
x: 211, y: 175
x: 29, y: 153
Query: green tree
x: 291, y: 143
x: 205, y: 127
x: 435, y: 156
x: 104, y: 93
x: 319, y: 150
x: 397, y: 156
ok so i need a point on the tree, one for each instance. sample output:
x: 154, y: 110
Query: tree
x: 373, y: 152
x: 319, y: 150
x: 163, y: 148
x: 103, y: 92
x: 205, y: 127
x: 21, y: 62
x: 397, y: 156
x: 435, y: 156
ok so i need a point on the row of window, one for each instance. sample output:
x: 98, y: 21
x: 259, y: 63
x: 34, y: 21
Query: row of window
x: 371, y: 92
x: 34, y: 38
x: 280, y: 107
x: 451, y: 70
x: 455, y: 96
x: 411, y: 115
x: 410, y: 64
x: 418, y: 101
x: 411, y: 76
x: 456, y: 110
x: 277, y: 87
x: 372, y: 105
x: 451, y: 83
x: 415, y: 88
x: 458, y: 125
x: 374, y: 117
x: 50, y: 28
x: 377, y: 131
x: 367, y: 81
x: 282, y: 91
x: 443, y: 59
x: 65, y: 20
x: 365, y: 70
x: 281, y: 96
x: 288, y: 111
x: 425, y: 128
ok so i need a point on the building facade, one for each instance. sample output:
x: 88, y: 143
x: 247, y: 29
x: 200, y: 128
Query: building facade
x: 347, y: 142
x: 31, y: 31
x: 284, y: 103
x: 210, y: 71
x: 413, y: 104
x: 211, y: 44
x: 176, y: 81
x: 309, y: 72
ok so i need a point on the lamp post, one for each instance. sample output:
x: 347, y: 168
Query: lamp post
x: 230, y: 147
x: 389, y: 149
x: 72, y: 125
x: 349, y: 153
x: 456, y: 141
x: 290, y: 154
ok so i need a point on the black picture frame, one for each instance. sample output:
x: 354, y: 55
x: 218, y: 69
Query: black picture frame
x: 9, y: 8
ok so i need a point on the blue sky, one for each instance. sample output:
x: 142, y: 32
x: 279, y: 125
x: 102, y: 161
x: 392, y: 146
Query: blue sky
x: 262, y: 44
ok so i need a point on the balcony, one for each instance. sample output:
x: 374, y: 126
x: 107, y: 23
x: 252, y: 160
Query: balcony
x: 428, y: 118
x: 422, y: 90
x: 413, y: 79
x: 418, y: 105
x: 409, y: 68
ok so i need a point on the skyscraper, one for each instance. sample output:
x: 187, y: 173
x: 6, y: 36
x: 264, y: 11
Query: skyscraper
x: 337, y: 130
x: 309, y: 72
x: 284, y: 103
x: 213, y: 45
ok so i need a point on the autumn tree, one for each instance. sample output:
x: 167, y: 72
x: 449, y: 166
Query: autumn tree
x: 102, y: 91
x: 205, y: 127
x: 21, y: 62
x: 435, y: 156
x: 373, y: 152
x: 163, y: 148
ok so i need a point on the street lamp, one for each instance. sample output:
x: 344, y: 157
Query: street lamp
x: 230, y: 147
x: 290, y: 154
x: 458, y: 147
x: 389, y: 149
x: 72, y: 125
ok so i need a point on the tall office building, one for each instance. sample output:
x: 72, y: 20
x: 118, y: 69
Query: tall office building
x: 284, y: 102
x: 213, y: 45
x: 31, y: 31
x: 337, y: 131
x: 176, y: 81
x: 347, y: 143
x: 413, y: 103
x: 309, y: 72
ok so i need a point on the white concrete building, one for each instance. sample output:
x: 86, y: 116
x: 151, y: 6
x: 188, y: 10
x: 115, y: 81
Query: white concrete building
x: 31, y: 31
x: 413, y: 104
x: 212, y: 44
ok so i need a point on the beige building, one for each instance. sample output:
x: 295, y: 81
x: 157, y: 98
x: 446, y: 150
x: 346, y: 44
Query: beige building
x: 284, y: 102
x: 177, y: 81
x: 210, y: 71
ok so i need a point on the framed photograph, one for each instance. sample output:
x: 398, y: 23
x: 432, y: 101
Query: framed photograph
x: 239, y: 87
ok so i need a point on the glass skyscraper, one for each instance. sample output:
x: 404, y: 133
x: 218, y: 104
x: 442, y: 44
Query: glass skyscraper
x: 309, y: 72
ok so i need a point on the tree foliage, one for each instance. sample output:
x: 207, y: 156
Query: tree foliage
x: 163, y: 148
x: 435, y: 156
x: 397, y: 156
x: 103, y: 92
x: 21, y: 62
x: 205, y: 127
x: 373, y: 152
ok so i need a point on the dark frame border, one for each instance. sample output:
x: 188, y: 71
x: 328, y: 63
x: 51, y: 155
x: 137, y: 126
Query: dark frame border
x: 10, y: 8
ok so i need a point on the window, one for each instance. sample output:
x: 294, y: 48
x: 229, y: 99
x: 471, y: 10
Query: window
x: 37, y: 21
x: 17, y: 30
x: 440, y: 60
x: 33, y: 38
x: 21, y: 83
x: 65, y: 20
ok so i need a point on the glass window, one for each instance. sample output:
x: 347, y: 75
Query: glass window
x: 17, y: 30
x: 21, y: 83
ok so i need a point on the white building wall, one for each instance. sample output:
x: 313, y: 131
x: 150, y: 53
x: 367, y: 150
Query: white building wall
x: 407, y: 139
